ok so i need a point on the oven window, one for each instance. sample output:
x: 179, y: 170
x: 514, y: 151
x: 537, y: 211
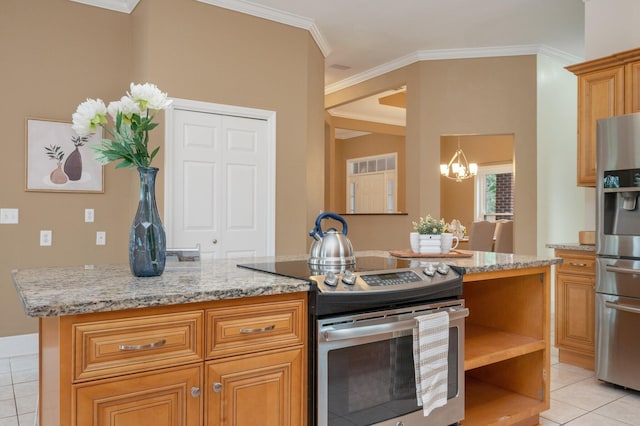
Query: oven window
x: 374, y: 382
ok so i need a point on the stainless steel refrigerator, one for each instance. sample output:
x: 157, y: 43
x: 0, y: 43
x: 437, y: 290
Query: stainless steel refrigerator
x: 618, y: 250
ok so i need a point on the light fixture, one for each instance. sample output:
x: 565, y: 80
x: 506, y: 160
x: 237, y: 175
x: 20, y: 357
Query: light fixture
x: 459, y: 168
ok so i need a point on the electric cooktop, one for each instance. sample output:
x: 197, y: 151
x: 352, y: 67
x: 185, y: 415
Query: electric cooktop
x: 301, y: 268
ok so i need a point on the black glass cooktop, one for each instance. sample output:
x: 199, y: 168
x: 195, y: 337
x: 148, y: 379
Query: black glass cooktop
x: 301, y: 269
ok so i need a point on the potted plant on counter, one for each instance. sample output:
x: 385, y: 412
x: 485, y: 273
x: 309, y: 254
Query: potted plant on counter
x: 429, y: 230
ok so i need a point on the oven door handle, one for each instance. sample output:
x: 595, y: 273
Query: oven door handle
x: 622, y: 307
x: 372, y: 330
x: 630, y: 271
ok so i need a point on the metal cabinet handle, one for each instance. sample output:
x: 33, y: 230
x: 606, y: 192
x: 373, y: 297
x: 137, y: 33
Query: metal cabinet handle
x: 195, y: 391
x: 215, y: 241
x: 620, y: 307
x: 217, y: 387
x: 141, y: 347
x: 257, y: 330
x: 611, y: 268
x: 577, y: 264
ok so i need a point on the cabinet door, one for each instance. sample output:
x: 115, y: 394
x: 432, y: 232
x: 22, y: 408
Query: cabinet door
x: 265, y: 390
x: 600, y: 95
x: 169, y: 397
x: 632, y: 87
x: 575, y: 322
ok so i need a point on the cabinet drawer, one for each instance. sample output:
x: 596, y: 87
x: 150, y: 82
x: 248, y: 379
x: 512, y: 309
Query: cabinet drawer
x: 111, y: 347
x: 255, y: 327
x: 577, y: 264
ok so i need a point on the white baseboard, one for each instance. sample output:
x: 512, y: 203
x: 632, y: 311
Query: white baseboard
x: 23, y: 344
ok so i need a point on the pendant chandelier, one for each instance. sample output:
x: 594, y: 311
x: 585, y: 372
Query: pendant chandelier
x: 459, y: 168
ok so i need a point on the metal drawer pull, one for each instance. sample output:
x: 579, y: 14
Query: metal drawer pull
x: 141, y: 347
x: 257, y: 330
x: 195, y: 392
x: 577, y: 264
x: 217, y: 387
x: 610, y: 268
x: 620, y: 307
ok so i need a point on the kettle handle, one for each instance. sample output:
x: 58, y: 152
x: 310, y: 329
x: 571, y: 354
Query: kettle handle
x: 318, y: 229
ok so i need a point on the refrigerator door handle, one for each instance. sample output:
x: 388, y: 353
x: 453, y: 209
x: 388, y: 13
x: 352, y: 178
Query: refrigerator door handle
x: 620, y: 307
x: 631, y: 271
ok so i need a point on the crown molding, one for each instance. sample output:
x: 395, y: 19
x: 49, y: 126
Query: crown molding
x: 124, y: 6
x: 432, y: 55
x: 275, y: 15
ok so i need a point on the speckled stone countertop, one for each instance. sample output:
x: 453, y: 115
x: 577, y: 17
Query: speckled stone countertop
x: 56, y: 291
x: 572, y: 246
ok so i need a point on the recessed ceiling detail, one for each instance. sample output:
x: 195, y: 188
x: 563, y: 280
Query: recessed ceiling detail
x: 395, y: 100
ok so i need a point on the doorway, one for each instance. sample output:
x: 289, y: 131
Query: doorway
x: 220, y: 179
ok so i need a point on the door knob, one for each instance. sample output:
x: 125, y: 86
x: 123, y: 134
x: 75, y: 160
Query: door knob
x: 217, y: 387
x: 214, y: 241
x: 195, y: 392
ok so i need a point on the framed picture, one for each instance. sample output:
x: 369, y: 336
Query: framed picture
x: 59, y: 160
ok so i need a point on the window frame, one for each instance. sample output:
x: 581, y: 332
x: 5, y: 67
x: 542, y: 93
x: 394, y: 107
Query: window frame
x: 479, y: 190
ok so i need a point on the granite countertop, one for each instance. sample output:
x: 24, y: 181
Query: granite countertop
x: 56, y: 291
x: 572, y: 246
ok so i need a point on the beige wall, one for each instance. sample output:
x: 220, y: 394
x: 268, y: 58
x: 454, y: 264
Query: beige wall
x: 56, y: 53
x: 457, y: 198
x: 463, y: 96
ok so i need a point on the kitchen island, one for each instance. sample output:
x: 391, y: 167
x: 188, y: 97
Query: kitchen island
x: 113, y: 346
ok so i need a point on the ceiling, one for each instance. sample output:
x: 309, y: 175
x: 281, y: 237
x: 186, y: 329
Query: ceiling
x: 365, y: 34
x: 365, y: 38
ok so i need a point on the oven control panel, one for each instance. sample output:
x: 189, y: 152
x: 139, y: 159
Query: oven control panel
x: 387, y: 280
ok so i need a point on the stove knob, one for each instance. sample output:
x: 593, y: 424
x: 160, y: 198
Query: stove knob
x: 349, y: 278
x: 430, y: 270
x: 331, y: 279
x: 443, y: 269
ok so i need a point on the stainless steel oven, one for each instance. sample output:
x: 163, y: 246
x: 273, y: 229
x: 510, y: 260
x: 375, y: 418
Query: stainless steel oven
x: 365, y: 373
x: 361, y: 319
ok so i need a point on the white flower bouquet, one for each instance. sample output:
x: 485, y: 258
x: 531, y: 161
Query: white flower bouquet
x: 132, y: 124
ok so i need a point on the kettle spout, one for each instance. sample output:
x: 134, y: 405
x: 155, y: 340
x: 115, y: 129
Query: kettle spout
x: 314, y: 235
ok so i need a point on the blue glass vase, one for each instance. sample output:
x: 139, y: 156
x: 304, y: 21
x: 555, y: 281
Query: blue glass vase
x: 147, y: 239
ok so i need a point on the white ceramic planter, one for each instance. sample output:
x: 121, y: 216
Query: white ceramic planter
x: 429, y: 244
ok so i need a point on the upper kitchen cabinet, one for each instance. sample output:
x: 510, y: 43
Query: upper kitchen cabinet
x: 607, y: 87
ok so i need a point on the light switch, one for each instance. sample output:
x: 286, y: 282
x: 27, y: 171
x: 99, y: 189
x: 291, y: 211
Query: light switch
x: 101, y: 238
x: 88, y: 215
x: 9, y: 216
x: 45, y: 238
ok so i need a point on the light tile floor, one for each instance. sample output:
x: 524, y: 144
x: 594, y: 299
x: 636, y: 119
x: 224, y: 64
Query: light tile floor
x: 18, y: 390
x: 577, y: 398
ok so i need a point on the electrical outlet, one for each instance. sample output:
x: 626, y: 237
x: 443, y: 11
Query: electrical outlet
x: 9, y: 216
x: 88, y: 215
x: 101, y: 238
x: 46, y: 238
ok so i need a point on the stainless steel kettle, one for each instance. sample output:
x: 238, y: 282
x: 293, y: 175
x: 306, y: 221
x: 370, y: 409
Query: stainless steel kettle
x: 330, y: 247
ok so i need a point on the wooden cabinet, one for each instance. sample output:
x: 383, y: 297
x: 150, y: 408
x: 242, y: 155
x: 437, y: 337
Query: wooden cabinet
x: 607, y: 87
x: 507, y: 357
x: 164, y: 365
x: 263, y: 389
x: 167, y: 397
x: 575, y: 308
x: 250, y: 379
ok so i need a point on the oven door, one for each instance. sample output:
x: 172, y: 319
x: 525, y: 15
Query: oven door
x: 365, y: 373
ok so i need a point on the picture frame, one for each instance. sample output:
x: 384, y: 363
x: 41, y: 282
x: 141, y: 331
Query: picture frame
x: 58, y: 160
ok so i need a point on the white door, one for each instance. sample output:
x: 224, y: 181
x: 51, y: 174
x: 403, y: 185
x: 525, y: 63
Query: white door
x: 219, y: 185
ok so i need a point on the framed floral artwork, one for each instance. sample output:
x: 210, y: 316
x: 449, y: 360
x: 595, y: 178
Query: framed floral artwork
x: 59, y: 160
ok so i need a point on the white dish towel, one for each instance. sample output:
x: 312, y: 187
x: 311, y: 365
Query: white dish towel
x: 430, y: 351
